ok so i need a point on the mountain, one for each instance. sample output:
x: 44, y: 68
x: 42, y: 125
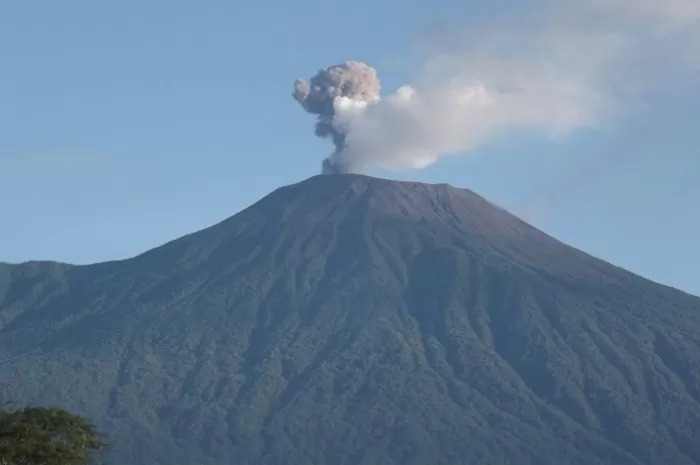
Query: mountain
x: 354, y: 320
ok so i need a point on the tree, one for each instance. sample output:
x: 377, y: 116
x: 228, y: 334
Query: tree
x: 47, y: 436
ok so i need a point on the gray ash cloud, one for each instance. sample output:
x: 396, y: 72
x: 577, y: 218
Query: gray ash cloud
x: 353, y: 80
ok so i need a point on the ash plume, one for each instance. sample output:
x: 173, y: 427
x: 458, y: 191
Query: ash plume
x: 351, y: 80
x: 555, y: 68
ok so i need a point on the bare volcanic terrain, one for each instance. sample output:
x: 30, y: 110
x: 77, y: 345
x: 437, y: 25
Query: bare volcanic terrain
x: 353, y: 320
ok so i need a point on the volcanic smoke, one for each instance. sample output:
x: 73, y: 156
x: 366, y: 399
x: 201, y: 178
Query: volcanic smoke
x: 553, y: 70
x: 351, y: 82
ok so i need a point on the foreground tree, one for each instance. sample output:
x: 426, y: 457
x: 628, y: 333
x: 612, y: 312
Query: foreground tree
x: 46, y: 436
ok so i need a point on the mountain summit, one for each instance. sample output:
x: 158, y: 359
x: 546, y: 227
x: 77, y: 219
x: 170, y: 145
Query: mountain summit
x: 354, y: 320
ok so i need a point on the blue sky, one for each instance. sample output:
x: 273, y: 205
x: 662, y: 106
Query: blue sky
x: 128, y: 124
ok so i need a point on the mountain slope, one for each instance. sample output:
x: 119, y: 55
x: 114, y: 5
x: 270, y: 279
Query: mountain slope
x: 355, y: 320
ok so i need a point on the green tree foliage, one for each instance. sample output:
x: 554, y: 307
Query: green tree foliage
x: 46, y: 436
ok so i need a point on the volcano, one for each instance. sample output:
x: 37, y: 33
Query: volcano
x: 354, y: 320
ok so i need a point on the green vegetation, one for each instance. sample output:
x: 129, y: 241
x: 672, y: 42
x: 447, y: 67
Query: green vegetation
x: 46, y: 436
x: 354, y: 321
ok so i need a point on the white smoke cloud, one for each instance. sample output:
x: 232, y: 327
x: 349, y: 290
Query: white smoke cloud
x: 410, y: 128
x: 566, y: 66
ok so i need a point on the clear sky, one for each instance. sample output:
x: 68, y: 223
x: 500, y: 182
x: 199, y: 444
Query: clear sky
x: 127, y: 124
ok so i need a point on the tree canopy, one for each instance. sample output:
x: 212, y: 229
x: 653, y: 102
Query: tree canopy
x: 47, y: 436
